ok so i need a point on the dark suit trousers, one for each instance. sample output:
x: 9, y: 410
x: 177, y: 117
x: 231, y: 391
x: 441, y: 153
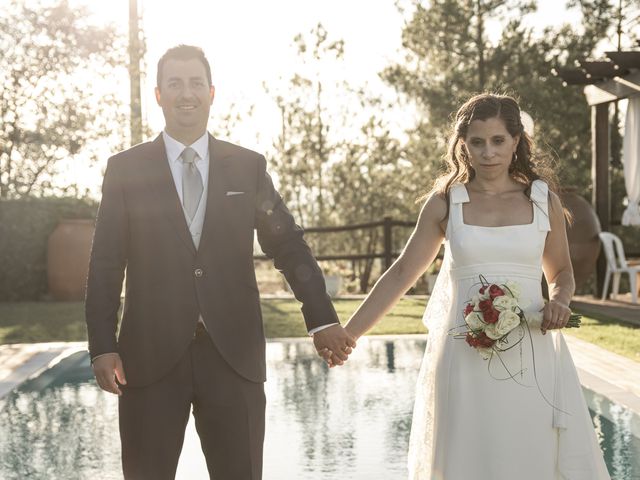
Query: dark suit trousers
x: 228, y: 411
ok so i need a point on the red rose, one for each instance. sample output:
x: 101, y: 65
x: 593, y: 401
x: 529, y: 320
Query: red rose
x: 479, y: 340
x: 471, y: 340
x: 482, y: 289
x: 468, y: 309
x: 495, y: 291
x: 485, y: 305
x: 483, y: 341
x: 489, y: 313
x: 491, y: 316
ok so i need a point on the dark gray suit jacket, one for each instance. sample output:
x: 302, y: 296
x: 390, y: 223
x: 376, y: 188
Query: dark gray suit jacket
x: 141, y: 228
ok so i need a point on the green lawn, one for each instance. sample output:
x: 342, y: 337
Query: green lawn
x: 31, y: 322
x: 615, y: 336
x: 26, y: 322
x: 59, y: 321
x: 282, y: 317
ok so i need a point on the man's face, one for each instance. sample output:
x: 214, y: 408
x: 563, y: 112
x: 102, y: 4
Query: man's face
x: 185, y: 97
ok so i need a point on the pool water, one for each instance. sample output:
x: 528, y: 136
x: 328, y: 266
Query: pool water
x: 351, y: 422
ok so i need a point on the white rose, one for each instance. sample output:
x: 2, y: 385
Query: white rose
x: 507, y: 321
x: 513, y: 289
x: 474, y: 321
x: 476, y: 301
x: 492, y: 331
x: 504, y: 302
x: 485, y: 353
x: 485, y: 295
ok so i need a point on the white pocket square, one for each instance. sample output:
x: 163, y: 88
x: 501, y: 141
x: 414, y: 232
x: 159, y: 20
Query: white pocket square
x: 230, y: 194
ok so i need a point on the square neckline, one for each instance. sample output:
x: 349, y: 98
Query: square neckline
x: 462, y: 221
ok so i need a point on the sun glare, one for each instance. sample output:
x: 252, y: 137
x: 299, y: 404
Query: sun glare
x: 249, y: 45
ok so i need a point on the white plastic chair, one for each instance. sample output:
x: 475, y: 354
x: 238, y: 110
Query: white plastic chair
x: 617, y: 265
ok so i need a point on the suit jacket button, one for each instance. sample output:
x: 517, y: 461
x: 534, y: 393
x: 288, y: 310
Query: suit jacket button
x: 198, y: 272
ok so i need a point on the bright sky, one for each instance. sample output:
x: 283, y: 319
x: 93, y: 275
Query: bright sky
x: 248, y: 43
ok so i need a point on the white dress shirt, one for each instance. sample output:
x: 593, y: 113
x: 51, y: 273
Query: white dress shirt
x: 174, y: 149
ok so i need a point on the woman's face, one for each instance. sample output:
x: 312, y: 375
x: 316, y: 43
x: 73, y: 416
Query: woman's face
x: 490, y: 147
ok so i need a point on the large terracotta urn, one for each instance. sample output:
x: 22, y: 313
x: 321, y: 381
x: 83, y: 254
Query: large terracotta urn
x: 68, y: 251
x: 584, y: 243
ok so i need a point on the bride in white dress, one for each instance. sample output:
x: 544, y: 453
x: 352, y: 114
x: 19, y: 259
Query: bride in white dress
x: 497, y: 218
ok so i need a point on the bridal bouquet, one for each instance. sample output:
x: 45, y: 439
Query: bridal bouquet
x: 495, y: 312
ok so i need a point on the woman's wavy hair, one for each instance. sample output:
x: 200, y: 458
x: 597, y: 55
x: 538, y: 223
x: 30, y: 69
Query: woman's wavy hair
x: 526, y: 166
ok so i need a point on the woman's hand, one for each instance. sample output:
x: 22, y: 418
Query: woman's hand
x: 327, y: 355
x: 554, y: 315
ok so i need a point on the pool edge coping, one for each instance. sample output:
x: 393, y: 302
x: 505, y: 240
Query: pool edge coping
x: 33, y: 359
x: 39, y: 357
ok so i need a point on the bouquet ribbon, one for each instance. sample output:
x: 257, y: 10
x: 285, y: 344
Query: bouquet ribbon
x: 535, y: 318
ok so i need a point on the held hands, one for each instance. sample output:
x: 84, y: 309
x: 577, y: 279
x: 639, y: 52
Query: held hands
x: 107, y: 368
x: 334, y: 344
x: 555, y: 315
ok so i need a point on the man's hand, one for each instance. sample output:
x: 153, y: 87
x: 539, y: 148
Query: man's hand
x: 334, y: 344
x: 107, y: 368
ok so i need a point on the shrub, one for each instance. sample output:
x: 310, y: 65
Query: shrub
x: 25, y: 226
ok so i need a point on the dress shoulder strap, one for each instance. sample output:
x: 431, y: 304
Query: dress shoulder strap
x: 457, y: 196
x: 540, y: 199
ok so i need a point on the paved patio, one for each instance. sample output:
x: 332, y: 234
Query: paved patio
x: 612, y: 376
x: 20, y: 361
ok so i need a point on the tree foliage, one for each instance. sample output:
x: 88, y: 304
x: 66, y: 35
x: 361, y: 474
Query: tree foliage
x: 450, y: 58
x: 452, y: 50
x: 372, y: 180
x: 52, y: 58
x: 306, y: 144
x: 336, y: 160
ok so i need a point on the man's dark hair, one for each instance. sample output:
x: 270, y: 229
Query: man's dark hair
x: 183, y: 52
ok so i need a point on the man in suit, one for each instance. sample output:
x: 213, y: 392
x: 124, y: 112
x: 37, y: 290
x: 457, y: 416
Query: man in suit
x: 179, y: 214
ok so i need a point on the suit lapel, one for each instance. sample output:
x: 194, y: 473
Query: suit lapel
x: 219, y: 160
x: 161, y: 182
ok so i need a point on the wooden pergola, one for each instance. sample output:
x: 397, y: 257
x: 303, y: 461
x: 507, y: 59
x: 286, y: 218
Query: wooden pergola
x: 605, y: 82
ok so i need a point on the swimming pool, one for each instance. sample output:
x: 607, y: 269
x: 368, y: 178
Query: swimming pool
x: 351, y: 422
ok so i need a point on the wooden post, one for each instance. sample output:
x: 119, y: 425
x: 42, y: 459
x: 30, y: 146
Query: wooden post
x: 600, y: 178
x: 134, y: 74
x: 388, y: 244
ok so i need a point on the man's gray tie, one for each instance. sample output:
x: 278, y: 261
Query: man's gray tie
x: 191, y: 182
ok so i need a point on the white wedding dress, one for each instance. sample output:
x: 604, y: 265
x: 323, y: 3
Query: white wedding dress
x: 469, y: 422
